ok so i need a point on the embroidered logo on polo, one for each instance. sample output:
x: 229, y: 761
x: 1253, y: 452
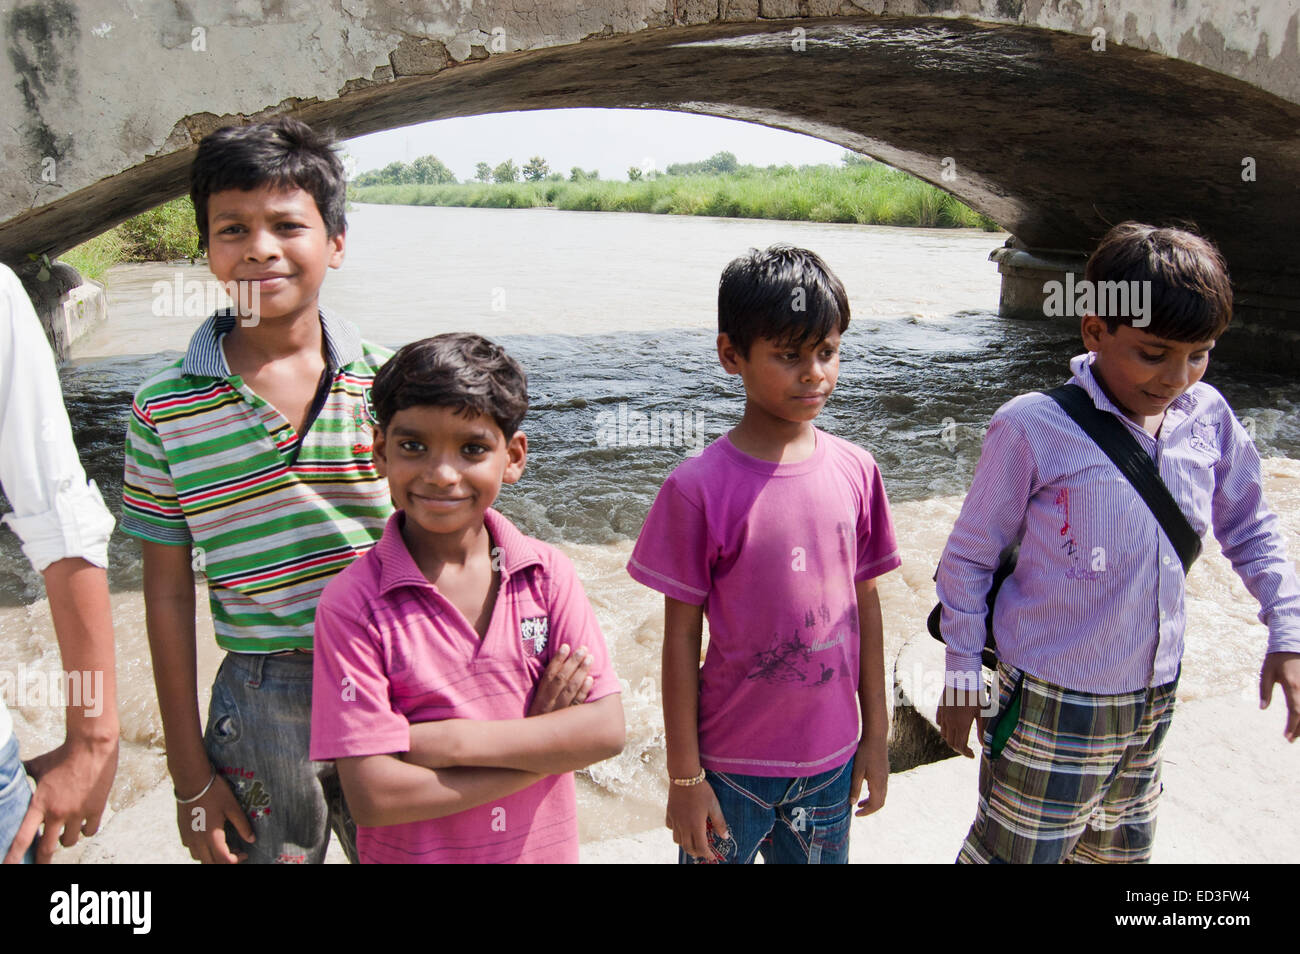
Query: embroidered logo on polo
x: 533, y: 632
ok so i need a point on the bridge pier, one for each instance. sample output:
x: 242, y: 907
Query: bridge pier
x: 67, y: 305
x: 1265, y: 329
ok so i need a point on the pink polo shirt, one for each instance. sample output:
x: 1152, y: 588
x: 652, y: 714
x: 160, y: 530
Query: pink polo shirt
x: 773, y: 552
x: 408, y: 655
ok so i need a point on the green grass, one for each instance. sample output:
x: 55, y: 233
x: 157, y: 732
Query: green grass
x: 871, y: 194
x: 162, y: 234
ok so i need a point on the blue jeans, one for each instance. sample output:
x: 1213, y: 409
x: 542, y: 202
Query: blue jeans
x: 15, y: 796
x: 257, y: 736
x: 795, y: 821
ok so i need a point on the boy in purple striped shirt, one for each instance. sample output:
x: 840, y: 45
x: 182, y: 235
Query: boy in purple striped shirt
x: 1090, y: 625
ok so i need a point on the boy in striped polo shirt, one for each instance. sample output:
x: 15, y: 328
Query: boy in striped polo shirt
x: 1090, y: 625
x: 250, y: 460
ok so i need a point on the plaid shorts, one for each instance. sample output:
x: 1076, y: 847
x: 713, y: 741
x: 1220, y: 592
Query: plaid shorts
x: 1068, y: 776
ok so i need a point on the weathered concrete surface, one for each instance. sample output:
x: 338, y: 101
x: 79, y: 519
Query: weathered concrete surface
x: 1230, y: 782
x: 105, y: 99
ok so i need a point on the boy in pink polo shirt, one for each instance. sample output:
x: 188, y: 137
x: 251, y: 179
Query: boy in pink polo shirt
x: 776, y: 533
x: 447, y: 656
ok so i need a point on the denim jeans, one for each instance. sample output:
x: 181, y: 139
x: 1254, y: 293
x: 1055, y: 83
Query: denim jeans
x: 258, y: 734
x: 799, y: 821
x: 15, y: 796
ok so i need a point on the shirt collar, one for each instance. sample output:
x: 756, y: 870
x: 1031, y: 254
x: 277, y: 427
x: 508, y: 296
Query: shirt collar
x: 1081, y: 366
x: 398, y: 567
x: 205, y: 358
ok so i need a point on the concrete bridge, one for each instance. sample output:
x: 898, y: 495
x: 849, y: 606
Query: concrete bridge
x: 1054, y: 117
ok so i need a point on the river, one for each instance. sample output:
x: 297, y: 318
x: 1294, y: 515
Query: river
x: 614, y: 315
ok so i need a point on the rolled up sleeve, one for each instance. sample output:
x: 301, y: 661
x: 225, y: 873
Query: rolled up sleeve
x: 57, y: 513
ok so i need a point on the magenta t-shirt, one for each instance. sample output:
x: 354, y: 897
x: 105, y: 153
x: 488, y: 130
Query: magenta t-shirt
x: 390, y: 650
x: 773, y: 553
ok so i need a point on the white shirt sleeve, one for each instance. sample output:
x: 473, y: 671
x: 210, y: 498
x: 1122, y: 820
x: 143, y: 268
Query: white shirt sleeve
x: 57, y: 514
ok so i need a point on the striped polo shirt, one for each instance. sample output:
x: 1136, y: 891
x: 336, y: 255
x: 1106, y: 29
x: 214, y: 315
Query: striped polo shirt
x: 271, y: 518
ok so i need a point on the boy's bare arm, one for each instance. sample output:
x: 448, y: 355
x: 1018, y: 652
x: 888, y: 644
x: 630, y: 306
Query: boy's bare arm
x: 871, y: 762
x: 690, y: 807
x: 169, y: 619
x: 559, y: 734
x: 73, y: 780
x: 384, y: 790
x: 551, y: 744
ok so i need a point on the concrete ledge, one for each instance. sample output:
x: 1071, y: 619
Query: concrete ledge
x: 918, y: 683
x: 68, y: 305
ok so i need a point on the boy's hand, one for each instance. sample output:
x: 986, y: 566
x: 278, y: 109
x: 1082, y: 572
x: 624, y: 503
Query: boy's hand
x: 872, y: 764
x: 203, y: 825
x: 566, y: 682
x: 691, y: 811
x: 1283, y: 668
x: 72, y: 784
x: 956, y: 713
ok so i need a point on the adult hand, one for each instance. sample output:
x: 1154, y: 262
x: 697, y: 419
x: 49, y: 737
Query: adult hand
x: 72, y: 784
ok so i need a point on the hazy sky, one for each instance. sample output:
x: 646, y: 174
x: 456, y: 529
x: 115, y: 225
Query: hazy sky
x: 610, y: 140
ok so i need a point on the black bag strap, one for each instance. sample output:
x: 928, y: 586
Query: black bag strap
x: 1135, y: 464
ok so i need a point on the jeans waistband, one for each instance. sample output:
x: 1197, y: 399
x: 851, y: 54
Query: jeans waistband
x: 254, y: 667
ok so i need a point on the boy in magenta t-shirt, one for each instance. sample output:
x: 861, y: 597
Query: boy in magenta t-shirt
x: 447, y: 657
x: 776, y: 533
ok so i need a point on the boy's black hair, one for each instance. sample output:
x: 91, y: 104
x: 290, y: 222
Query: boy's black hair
x: 284, y: 153
x: 1191, y: 294
x: 786, y: 294
x: 460, y: 370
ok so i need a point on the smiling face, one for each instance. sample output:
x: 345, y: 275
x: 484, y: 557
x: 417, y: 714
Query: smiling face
x: 445, y: 469
x: 276, y: 240
x: 782, y: 381
x: 1142, y: 373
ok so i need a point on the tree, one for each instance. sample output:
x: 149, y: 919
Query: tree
x: 536, y: 169
x: 482, y: 172
x: 506, y: 172
x: 395, y: 173
x: 720, y: 163
x: 633, y: 173
x: 430, y: 170
x: 851, y: 159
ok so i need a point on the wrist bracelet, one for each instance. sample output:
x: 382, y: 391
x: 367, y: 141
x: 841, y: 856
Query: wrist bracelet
x: 187, y: 801
x: 687, y: 782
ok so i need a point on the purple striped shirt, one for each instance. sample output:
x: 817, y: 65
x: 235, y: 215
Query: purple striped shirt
x: 1096, y: 601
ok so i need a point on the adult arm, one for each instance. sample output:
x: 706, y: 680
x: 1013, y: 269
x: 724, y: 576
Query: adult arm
x: 73, y: 780
x: 64, y: 526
